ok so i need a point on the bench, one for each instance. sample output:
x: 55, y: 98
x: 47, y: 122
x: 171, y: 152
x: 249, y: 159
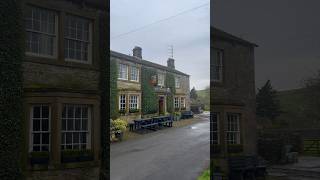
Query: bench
x: 165, y: 121
x: 186, y: 114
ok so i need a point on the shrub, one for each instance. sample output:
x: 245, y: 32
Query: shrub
x: 119, y: 125
x: 149, y: 96
x: 122, y: 112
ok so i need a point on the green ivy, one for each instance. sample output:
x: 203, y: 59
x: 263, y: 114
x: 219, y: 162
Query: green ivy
x: 114, y: 114
x: 170, y: 83
x: 149, y: 96
x: 11, y: 110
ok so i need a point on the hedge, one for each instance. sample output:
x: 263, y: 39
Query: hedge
x: 149, y: 96
x: 11, y: 111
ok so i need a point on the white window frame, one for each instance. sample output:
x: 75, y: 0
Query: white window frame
x: 220, y: 67
x: 120, y: 103
x: 176, y: 102
x: 126, y: 73
x: 90, y: 42
x: 55, y: 36
x: 177, y: 82
x: 161, y: 79
x: 216, y: 131
x: 131, y: 103
x: 88, y: 131
x: 136, y: 74
x: 233, y: 128
x: 40, y: 132
x: 182, y: 102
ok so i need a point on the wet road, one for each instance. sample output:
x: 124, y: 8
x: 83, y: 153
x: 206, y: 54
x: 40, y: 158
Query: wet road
x: 169, y: 154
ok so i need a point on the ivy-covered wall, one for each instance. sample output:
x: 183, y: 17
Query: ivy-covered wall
x: 149, y: 97
x: 113, y: 89
x: 170, y: 83
x: 11, y: 57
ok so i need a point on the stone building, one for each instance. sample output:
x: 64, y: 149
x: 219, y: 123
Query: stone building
x: 130, y: 89
x: 61, y: 83
x: 233, y: 95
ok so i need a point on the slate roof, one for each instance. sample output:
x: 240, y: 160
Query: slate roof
x: 217, y: 33
x: 144, y: 62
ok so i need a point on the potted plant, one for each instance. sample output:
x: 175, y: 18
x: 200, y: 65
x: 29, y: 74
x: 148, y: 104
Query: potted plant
x: 122, y: 112
x: 119, y: 126
x: 177, y: 116
x: 39, y: 157
x: 133, y: 110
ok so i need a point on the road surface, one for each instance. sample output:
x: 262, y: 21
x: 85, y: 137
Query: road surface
x: 168, y: 154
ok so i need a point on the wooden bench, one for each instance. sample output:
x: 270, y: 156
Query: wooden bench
x: 186, y: 114
x: 165, y: 121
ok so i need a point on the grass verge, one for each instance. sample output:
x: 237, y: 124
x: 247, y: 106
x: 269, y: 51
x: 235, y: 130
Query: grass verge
x: 205, y: 175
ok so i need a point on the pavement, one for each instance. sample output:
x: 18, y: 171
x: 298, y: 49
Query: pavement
x: 307, y: 168
x: 168, y: 154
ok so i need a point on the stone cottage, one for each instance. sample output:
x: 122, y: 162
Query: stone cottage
x: 130, y: 89
x: 233, y: 121
x: 61, y: 83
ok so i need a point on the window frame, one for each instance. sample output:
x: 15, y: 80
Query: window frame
x: 233, y: 129
x: 88, y: 131
x: 125, y: 102
x: 31, y: 132
x: 130, y: 103
x: 163, y: 79
x: 183, y: 102
x: 55, y: 36
x: 220, y: 68
x: 217, y: 131
x: 176, y: 102
x: 90, y: 40
x: 177, y: 82
x: 127, y: 73
x: 137, y: 73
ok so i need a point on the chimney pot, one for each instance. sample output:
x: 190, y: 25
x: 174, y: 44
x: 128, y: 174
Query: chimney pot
x: 137, y: 52
x: 170, y: 63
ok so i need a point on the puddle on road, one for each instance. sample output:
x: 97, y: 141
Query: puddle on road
x: 193, y: 127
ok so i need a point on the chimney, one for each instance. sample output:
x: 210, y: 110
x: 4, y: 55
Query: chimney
x: 170, y: 63
x: 137, y: 52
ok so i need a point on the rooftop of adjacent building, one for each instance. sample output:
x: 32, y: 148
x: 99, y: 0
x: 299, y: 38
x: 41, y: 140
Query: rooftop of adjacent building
x: 137, y: 58
x: 227, y: 36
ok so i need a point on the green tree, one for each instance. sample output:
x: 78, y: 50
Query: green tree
x: 193, y: 94
x: 267, y: 103
x: 11, y: 57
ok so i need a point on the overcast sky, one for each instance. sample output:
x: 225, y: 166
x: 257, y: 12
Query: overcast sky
x: 189, y: 34
x: 287, y: 32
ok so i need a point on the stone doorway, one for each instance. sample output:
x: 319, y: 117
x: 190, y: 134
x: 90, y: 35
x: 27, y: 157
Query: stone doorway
x: 161, y: 105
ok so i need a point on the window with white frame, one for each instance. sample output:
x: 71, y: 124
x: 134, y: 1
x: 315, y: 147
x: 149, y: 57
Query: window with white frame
x: 123, y: 71
x: 122, y: 102
x: 133, y: 102
x: 182, y: 102
x: 176, y: 102
x: 233, y: 128
x: 77, y: 39
x: 41, y: 31
x: 217, y: 65
x: 75, y: 127
x: 215, y: 128
x: 40, y: 128
x: 161, y: 79
x: 134, y: 73
x: 177, y: 82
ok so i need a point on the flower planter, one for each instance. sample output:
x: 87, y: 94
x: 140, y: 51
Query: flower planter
x: 119, y: 135
x: 76, y: 156
x: 39, y: 158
